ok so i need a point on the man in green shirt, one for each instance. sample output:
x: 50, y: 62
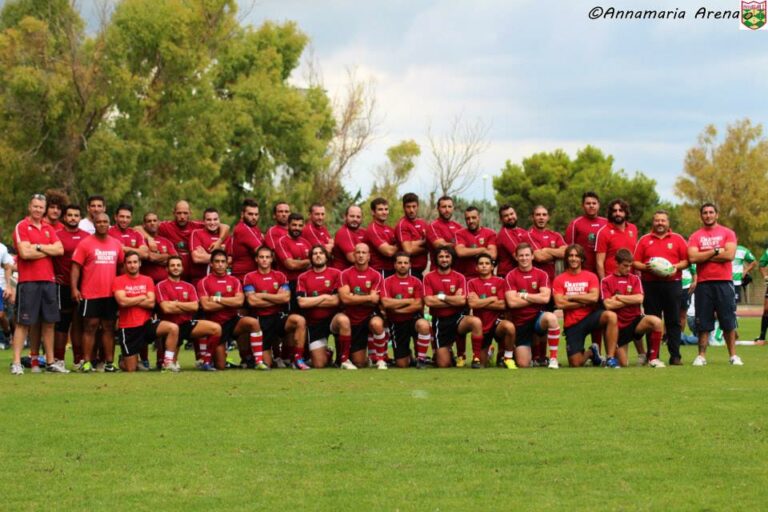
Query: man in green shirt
x: 743, y: 263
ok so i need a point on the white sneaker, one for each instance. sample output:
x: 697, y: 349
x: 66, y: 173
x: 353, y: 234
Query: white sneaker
x: 36, y: 369
x: 656, y: 363
x: 700, y: 361
x: 17, y: 369
x: 348, y: 365
x: 58, y: 367
x: 177, y: 366
x: 381, y: 365
x: 736, y: 361
x: 642, y: 359
x: 553, y: 364
x: 280, y: 363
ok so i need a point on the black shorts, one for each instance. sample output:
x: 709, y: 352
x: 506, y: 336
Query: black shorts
x: 576, y: 334
x: 360, y: 334
x: 293, y: 303
x: 685, y: 299
x: 402, y: 334
x: 228, y: 329
x: 104, y: 308
x: 272, y: 329
x: 36, y: 301
x: 446, y: 329
x: 319, y: 331
x: 715, y: 297
x: 627, y: 334
x: 133, y: 339
x: 489, y: 336
x: 185, y: 330
x: 64, y: 292
x: 525, y: 333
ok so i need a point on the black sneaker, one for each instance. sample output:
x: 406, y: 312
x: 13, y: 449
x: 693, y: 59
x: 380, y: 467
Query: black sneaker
x: 110, y: 368
x: 421, y: 364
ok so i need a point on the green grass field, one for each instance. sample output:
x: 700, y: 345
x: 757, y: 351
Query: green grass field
x: 680, y: 438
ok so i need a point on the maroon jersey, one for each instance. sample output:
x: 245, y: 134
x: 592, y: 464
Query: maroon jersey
x: 483, y: 237
x: 274, y: 234
x: 545, y: 238
x: 614, y: 285
x: 377, y: 235
x: 530, y: 282
x: 576, y: 284
x: 361, y: 283
x: 313, y: 284
x: 441, y: 229
x: 215, y: 286
x: 40, y: 269
x: 158, y: 271
x: 181, y: 291
x: 99, y: 260
x: 179, y: 237
x: 710, y: 238
x: 272, y: 282
x: 610, y: 239
x: 316, y: 235
x: 451, y: 283
x: 294, y: 249
x: 242, y: 246
x: 408, y: 287
x: 344, y: 242
x: 62, y: 265
x: 583, y: 231
x: 200, y: 238
x: 484, y: 288
x: 414, y: 230
x: 506, y: 243
x: 133, y: 316
x: 128, y: 237
x: 671, y: 246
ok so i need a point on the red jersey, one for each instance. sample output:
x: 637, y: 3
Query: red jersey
x: 484, y: 288
x: 546, y: 238
x: 441, y: 229
x: 569, y: 284
x: 274, y: 234
x: 179, y: 237
x: 292, y: 248
x: 583, y: 231
x: 215, y: 286
x: 414, y: 230
x: 133, y: 316
x: 62, y: 265
x: 376, y: 235
x: 408, y: 287
x: 242, y: 246
x: 361, y: 283
x: 506, y: 243
x: 615, y: 284
x: 530, y: 282
x: 180, y: 291
x: 710, y: 238
x: 483, y: 237
x: 272, y: 282
x: 610, y: 239
x: 99, y: 260
x: 34, y: 270
x: 200, y: 238
x: 313, y: 284
x: 671, y: 246
x: 127, y: 237
x: 158, y: 271
x: 344, y: 242
x: 316, y: 235
x: 450, y: 284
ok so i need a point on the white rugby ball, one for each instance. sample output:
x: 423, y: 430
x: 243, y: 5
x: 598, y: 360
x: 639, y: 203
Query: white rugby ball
x: 661, y: 266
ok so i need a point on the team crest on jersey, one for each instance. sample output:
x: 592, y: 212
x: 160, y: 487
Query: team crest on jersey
x: 629, y: 288
x: 493, y: 290
x: 185, y: 295
x: 163, y: 249
x: 399, y: 296
x: 181, y: 245
x: 410, y: 290
x: 591, y: 237
x: 452, y: 288
x: 133, y: 243
x: 229, y: 288
x: 275, y: 286
x: 47, y: 235
x: 534, y: 285
x: 357, y: 290
x: 630, y: 233
x: 481, y: 241
x: 367, y: 284
x: 314, y: 294
x: 669, y: 245
x: 327, y: 283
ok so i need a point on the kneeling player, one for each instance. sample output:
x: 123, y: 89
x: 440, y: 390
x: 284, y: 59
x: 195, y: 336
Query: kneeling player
x: 135, y: 296
x: 403, y: 304
x: 622, y: 292
x: 486, y: 298
x: 577, y: 292
x: 445, y: 294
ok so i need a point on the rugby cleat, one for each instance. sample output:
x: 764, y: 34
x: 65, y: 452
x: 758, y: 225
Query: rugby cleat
x: 348, y: 365
x: 17, y: 369
x: 381, y: 364
x: 299, y: 364
x: 509, y: 364
x: 700, y: 361
x: 57, y: 367
x: 476, y: 364
x: 736, y: 361
x: 656, y: 363
x: 207, y: 367
x: 553, y: 364
x: 461, y: 362
x: 421, y: 364
x: 612, y: 362
x: 596, y: 358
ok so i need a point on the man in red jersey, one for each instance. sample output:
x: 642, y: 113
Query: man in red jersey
x: 95, y: 263
x: 280, y: 213
x: 129, y: 238
x: 622, y: 292
x: 402, y: 301
x: 221, y: 296
x: 293, y: 255
x: 347, y: 237
x: 36, y: 244
x: 442, y: 231
x: 485, y: 295
x: 360, y: 293
x: 473, y: 241
x: 317, y: 291
x: 268, y: 293
x: 712, y: 249
x: 381, y: 238
x: 157, y: 257
x: 179, y: 304
x: 315, y: 231
x: 135, y: 297
x: 619, y: 233
x: 445, y: 292
x: 662, y: 294
x: 528, y: 293
x: 583, y: 229
x: 54, y: 206
x: 245, y: 240
x: 201, y: 243
x: 411, y: 235
x: 96, y: 205
x: 548, y: 246
x: 577, y: 292
x: 510, y: 235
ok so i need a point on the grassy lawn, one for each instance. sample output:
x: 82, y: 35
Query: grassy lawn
x: 680, y: 438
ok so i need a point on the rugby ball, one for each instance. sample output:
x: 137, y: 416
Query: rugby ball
x: 661, y: 266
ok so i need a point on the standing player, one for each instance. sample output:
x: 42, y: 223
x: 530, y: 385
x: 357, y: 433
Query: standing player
x: 712, y: 248
x: 583, y: 229
x: 54, y: 206
x: 201, y: 242
x: 129, y: 238
x: 245, y: 240
x: 96, y: 205
x: 315, y: 231
x: 293, y: 255
x: 622, y: 292
x: 161, y: 251
x: 381, y: 238
x: 763, y: 266
x: 442, y: 231
x: 473, y: 241
x: 7, y: 295
x: 548, y: 246
x: 267, y: 293
x: 280, y: 213
x: 619, y: 233
x: 347, y: 237
x: 577, y: 293
x: 411, y: 234
x: 510, y: 235
x: 402, y: 301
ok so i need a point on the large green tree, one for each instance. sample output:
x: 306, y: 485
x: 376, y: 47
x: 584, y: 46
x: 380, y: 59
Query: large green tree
x: 390, y: 176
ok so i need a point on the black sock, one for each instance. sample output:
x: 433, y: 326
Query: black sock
x: 763, y: 326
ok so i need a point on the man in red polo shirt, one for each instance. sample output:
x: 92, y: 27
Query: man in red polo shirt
x: 129, y: 238
x: 619, y: 233
x: 485, y: 295
x: 548, y: 246
x: 54, y: 209
x: 510, y: 235
x: 36, y: 244
x: 442, y: 231
x: 411, y: 235
x: 315, y: 231
x: 293, y: 254
x: 280, y: 213
x: 583, y: 229
x: 473, y: 241
x: 245, y: 240
x: 157, y: 257
x: 381, y: 238
x: 347, y: 237
x: 201, y: 242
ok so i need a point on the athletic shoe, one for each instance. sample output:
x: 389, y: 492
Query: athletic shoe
x: 177, y: 366
x: 3, y: 346
x: 381, y: 365
x: 612, y: 362
x: 17, y: 369
x: 57, y: 367
x: 143, y: 366
x: 261, y: 365
x: 199, y: 364
x: 100, y: 367
x: 476, y: 363
x: 736, y: 361
x: 509, y: 364
x: 299, y: 364
x: 280, y: 363
x: 656, y: 363
x: 110, y: 368
x: 700, y: 361
x: 597, y: 359
x: 421, y: 364
x: 553, y: 364
x: 207, y: 367
x: 230, y: 364
x: 461, y: 362
x: 348, y: 365
x: 675, y: 361
x: 86, y: 367
x: 642, y: 359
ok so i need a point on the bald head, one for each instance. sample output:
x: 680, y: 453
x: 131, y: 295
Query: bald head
x: 181, y: 213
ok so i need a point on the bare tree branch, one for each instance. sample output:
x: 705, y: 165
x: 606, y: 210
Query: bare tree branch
x: 455, y: 154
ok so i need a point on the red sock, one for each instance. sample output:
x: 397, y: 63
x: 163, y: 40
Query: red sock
x: 372, y: 349
x: 597, y: 337
x: 257, y: 346
x: 345, y: 343
x: 380, y: 342
x: 655, y: 345
x: 461, y: 346
x: 34, y: 359
x: 477, y: 346
x: 422, y: 345
x: 553, y: 340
